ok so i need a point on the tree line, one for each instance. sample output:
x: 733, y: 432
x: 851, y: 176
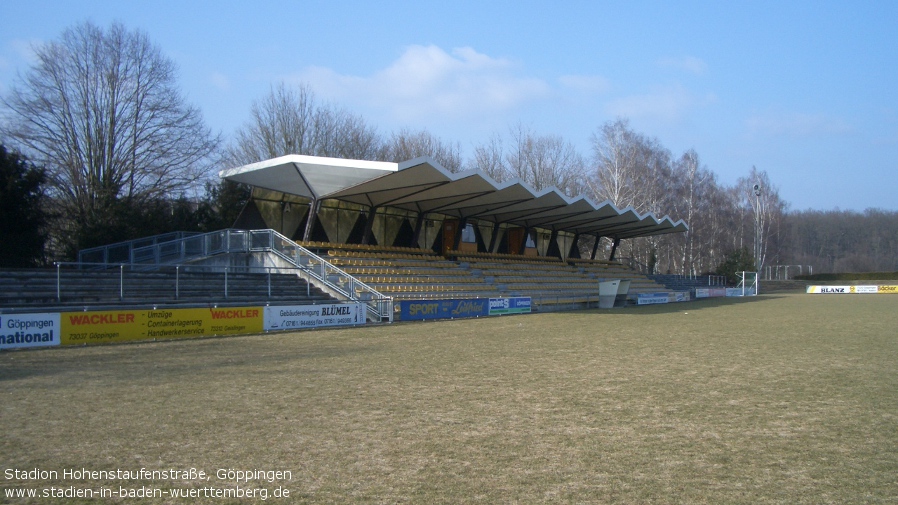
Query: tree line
x: 103, y: 147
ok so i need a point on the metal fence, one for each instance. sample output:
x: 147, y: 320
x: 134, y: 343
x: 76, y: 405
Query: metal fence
x: 308, y: 265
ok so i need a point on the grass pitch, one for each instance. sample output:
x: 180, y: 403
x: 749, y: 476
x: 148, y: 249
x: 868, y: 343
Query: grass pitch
x: 774, y: 399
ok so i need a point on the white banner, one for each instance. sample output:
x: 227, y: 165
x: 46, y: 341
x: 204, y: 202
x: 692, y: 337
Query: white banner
x: 842, y: 290
x: 652, y: 298
x: 29, y: 330
x: 313, y: 316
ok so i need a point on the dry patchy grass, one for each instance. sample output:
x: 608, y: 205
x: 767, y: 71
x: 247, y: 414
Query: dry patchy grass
x: 777, y: 399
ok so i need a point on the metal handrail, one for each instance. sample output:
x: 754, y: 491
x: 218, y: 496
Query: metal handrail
x: 225, y: 269
x: 106, y: 254
x: 206, y: 245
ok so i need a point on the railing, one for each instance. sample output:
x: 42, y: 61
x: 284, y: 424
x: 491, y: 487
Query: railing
x: 309, y: 265
x: 782, y: 272
x: 177, y: 270
x: 690, y: 280
x: 121, y: 252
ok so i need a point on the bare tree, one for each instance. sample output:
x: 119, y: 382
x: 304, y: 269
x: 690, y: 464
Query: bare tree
x: 292, y: 121
x: 100, y: 110
x: 615, y: 156
x: 544, y: 161
x: 407, y: 145
x: 490, y: 159
x: 693, y: 178
x: 762, y: 199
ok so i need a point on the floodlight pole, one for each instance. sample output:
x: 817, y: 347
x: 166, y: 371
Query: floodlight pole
x: 757, y: 191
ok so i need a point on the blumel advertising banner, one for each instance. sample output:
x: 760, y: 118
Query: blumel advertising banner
x: 297, y: 317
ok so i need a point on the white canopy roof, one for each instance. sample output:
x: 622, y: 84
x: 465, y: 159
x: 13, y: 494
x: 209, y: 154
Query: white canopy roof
x: 422, y: 185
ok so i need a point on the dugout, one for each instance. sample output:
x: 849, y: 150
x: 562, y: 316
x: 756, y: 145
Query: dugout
x: 419, y: 204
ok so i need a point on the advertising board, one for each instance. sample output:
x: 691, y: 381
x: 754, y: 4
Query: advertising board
x: 850, y: 290
x: 313, y: 316
x: 502, y: 306
x: 652, y: 298
x: 710, y: 292
x: 29, y: 330
x: 419, y: 310
x: 78, y: 328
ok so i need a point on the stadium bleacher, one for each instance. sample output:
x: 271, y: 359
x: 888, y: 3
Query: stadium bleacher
x: 408, y: 274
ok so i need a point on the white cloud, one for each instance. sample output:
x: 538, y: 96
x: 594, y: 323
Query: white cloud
x: 691, y: 64
x: 586, y: 83
x: 220, y: 81
x: 667, y: 104
x: 24, y: 49
x: 426, y: 81
x: 795, y: 124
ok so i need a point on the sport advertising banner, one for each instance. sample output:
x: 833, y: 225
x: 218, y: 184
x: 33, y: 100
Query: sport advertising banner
x: 313, y: 316
x: 887, y: 289
x: 502, y: 306
x: 79, y: 328
x: 28, y: 330
x: 418, y: 310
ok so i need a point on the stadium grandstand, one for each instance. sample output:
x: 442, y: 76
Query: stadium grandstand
x: 324, y: 230
x: 414, y: 230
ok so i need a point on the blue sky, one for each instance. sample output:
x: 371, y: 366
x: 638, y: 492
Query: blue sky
x: 806, y: 90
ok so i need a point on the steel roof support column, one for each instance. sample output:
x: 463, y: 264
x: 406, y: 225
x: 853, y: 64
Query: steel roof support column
x: 462, y: 224
x: 595, y: 247
x: 553, y: 242
x: 314, y: 207
x: 369, y: 225
x: 574, y: 245
x: 494, y: 237
x: 418, y: 225
x: 614, y: 245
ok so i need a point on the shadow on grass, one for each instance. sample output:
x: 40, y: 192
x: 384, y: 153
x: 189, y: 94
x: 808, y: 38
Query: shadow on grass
x: 142, y: 361
x: 690, y: 306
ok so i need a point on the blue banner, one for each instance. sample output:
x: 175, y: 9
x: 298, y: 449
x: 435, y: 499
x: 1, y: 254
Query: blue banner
x: 417, y: 310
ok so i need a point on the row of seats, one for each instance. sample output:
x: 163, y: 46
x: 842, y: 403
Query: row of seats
x: 391, y: 263
x: 414, y: 279
x: 428, y: 288
x: 365, y: 247
x: 481, y: 274
x: 379, y: 255
x: 517, y: 258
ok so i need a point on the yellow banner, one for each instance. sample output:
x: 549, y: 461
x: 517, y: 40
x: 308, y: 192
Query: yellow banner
x: 77, y: 328
x: 888, y: 289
